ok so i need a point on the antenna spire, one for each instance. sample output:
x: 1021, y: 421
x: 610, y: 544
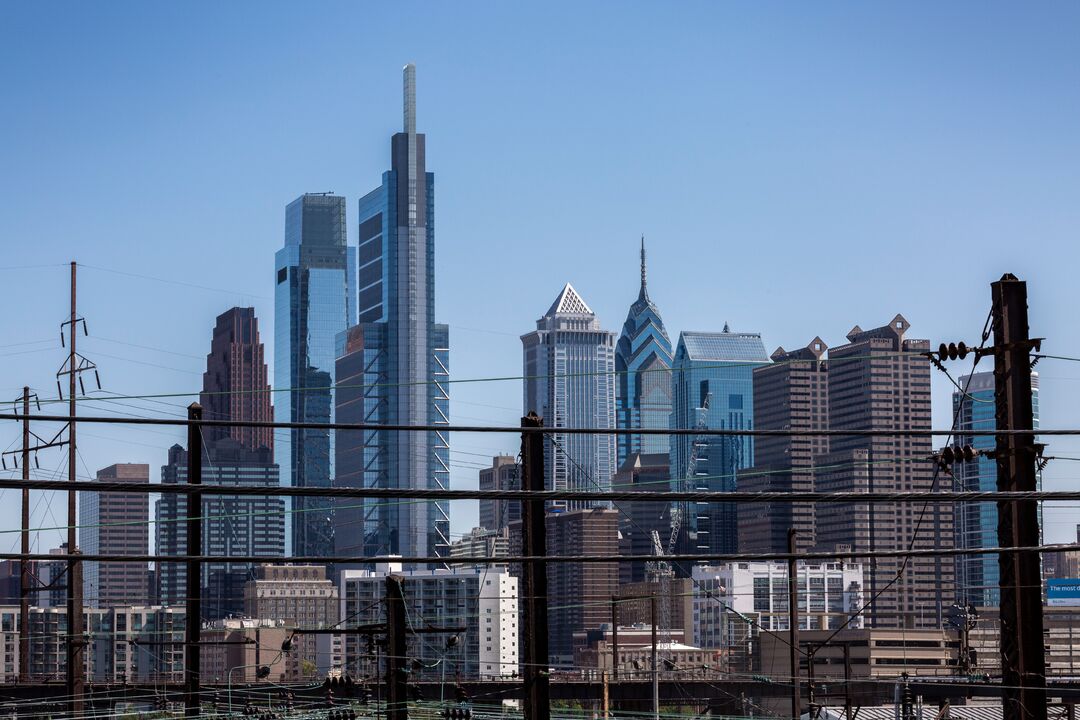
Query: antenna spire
x: 409, y: 81
x: 643, y: 294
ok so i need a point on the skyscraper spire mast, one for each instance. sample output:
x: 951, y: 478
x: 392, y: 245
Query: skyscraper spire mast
x: 643, y: 294
x: 409, y: 77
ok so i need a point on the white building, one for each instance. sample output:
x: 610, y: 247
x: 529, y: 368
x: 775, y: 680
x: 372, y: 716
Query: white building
x: 733, y: 602
x: 482, y: 601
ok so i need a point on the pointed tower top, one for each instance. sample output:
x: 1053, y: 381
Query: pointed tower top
x: 727, y: 328
x: 643, y: 294
x: 409, y: 81
x: 569, y: 302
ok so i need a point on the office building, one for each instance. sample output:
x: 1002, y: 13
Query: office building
x: 593, y: 531
x: 643, y: 370
x: 569, y: 364
x: 314, y: 301
x: 497, y: 513
x: 481, y: 542
x: 976, y: 522
x: 791, y: 393
x: 394, y: 366
x: 482, y: 600
x: 235, y: 384
x: 115, y: 523
x: 880, y: 380
x: 639, y: 519
x: 712, y: 387
x: 232, y: 524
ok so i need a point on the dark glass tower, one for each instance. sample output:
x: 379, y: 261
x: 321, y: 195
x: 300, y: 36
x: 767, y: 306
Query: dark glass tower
x: 643, y: 372
x: 400, y: 357
x: 313, y: 303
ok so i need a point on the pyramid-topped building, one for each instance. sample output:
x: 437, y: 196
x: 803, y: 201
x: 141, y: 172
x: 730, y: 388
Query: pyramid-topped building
x: 569, y: 364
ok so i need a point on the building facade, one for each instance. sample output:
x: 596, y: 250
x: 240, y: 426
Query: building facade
x: 497, y: 513
x: 712, y: 387
x: 735, y: 604
x: 569, y: 364
x: 593, y: 531
x: 880, y: 380
x: 115, y: 523
x: 314, y: 301
x: 481, y: 542
x: 236, y: 382
x: 232, y: 524
x: 643, y: 376
x: 791, y: 393
x: 482, y: 600
x: 395, y: 364
x: 976, y: 523
x: 639, y: 519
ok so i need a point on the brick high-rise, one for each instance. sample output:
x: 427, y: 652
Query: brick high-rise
x: 790, y: 394
x: 235, y: 384
x: 115, y: 523
x: 881, y: 381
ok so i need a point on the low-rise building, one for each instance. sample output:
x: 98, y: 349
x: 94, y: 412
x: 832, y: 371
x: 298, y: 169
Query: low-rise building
x: 478, y: 606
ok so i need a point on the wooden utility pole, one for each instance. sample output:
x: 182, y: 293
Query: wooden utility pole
x: 793, y: 625
x: 76, y: 672
x: 193, y: 604
x: 24, y: 568
x: 1023, y: 665
x: 397, y: 686
x: 654, y: 661
x: 534, y: 573
x: 614, y: 638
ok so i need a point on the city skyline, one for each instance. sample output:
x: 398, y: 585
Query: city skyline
x: 755, y: 161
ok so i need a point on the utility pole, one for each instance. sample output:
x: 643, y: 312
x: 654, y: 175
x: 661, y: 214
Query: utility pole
x: 193, y: 619
x: 76, y: 672
x: 847, y: 680
x: 655, y: 664
x: 24, y: 569
x: 614, y: 638
x: 397, y: 686
x: 1023, y: 665
x: 534, y: 572
x: 793, y: 625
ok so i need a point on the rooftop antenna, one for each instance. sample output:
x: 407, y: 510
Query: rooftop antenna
x: 409, y: 78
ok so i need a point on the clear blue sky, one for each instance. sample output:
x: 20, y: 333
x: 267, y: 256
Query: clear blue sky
x: 798, y: 169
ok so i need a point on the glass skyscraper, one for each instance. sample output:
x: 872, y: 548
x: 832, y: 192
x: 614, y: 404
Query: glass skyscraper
x: 314, y: 301
x: 643, y: 376
x: 395, y: 363
x: 569, y: 363
x: 976, y: 523
x: 713, y: 387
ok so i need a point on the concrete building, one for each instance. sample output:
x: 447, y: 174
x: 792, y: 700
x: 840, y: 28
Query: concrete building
x: 497, y: 513
x: 126, y: 644
x: 594, y: 654
x: 484, y: 601
x: 237, y: 647
x: 569, y: 364
x: 792, y: 393
x: 635, y: 606
x: 299, y: 596
x: 481, y: 542
x: 393, y: 367
x: 880, y: 380
x: 712, y: 387
x: 640, y: 518
x: 115, y: 523
x: 1061, y: 628
x: 735, y: 603
x: 643, y: 376
x: 587, y: 586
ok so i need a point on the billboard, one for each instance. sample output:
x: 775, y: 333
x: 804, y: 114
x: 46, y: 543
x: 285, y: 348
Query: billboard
x: 1062, y: 592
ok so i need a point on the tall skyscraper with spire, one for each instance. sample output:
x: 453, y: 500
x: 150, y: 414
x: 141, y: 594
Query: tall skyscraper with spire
x: 393, y: 366
x: 569, y: 363
x: 643, y: 375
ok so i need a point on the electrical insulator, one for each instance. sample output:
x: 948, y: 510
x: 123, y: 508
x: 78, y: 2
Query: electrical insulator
x: 953, y: 351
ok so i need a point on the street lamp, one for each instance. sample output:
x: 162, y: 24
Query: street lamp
x: 261, y: 673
